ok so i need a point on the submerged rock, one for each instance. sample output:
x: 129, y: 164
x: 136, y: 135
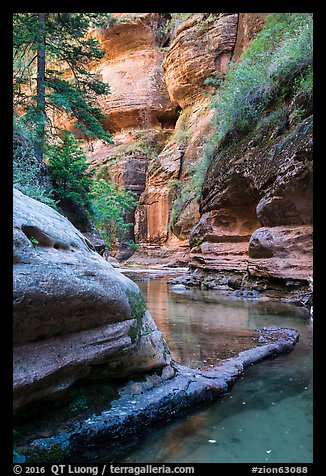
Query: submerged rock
x: 75, y: 316
x: 179, y: 288
x: 246, y: 293
x: 157, y: 398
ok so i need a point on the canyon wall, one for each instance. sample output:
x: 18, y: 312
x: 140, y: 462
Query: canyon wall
x: 255, y: 228
x: 158, y: 112
x: 253, y: 221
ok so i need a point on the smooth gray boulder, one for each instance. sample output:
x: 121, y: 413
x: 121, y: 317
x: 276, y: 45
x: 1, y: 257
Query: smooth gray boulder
x: 75, y: 315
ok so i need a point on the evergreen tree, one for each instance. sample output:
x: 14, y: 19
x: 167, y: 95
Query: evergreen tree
x: 54, y: 49
x: 69, y: 172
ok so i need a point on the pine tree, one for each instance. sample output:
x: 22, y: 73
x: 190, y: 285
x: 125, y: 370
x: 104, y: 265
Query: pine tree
x: 69, y: 172
x: 52, y: 54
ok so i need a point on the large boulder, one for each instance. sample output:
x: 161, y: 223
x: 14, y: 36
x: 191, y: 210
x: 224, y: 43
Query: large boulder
x: 74, y: 314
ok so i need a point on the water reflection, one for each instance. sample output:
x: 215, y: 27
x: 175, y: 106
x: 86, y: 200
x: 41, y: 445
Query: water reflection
x: 202, y: 327
x: 267, y: 417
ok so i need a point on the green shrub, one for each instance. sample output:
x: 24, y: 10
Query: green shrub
x: 182, y: 132
x: 29, y: 175
x: 277, y: 118
x: 110, y: 202
x: 266, y: 71
x: 170, y: 24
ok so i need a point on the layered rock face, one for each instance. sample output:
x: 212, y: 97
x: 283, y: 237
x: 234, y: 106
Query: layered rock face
x: 256, y: 209
x: 202, y: 45
x: 156, y: 92
x: 133, y: 69
x: 138, y: 111
x: 75, y: 316
x: 126, y: 163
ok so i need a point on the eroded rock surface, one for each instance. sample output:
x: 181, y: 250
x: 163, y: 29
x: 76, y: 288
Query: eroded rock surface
x: 249, y: 24
x: 74, y: 314
x: 202, y: 46
x: 256, y: 208
x: 133, y: 69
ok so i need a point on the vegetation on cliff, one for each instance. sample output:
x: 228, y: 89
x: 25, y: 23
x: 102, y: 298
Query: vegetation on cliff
x: 110, y: 203
x: 255, y: 93
x: 277, y: 64
x: 65, y: 180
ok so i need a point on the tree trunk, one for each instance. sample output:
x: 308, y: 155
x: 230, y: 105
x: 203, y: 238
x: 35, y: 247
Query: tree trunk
x: 41, y: 17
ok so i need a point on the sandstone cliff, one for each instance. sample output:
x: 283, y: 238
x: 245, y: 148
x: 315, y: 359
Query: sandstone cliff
x: 139, y: 112
x: 255, y: 210
x: 75, y: 316
x: 159, y: 112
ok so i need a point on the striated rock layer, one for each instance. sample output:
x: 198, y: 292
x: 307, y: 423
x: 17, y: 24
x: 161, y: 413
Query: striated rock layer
x: 160, y: 91
x: 202, y: 46
x: 75, y: 316
x: 139, y: 111
x: 256, y: 210
x: 133, y: 69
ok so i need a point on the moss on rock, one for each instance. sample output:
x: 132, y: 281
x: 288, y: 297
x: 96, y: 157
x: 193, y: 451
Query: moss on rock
x: 54, y: 453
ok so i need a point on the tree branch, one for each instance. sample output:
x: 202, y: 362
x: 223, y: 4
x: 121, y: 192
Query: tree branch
x: 27, y: 66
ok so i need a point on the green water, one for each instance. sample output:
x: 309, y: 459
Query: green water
x: 266, y: 418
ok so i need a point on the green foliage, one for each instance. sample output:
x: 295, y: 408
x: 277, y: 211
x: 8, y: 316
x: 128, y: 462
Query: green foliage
x: 109, y: 206
x: 276, y: 120
x: 69, y: 171
x: 34, y: 241
x: 133, y: 246
x: 266, y: 71
x: 200, y: 167
x: 133, y: 333
x: 106, y: 203
x: 29, y: 176
x: 66, y: 97
x: 80, y: 403
x: 197, y: 242
x: 68, y: 85
x: 182, y: 132
x: 304, y: 82
x: 138, y: 308
x: 173, y: 21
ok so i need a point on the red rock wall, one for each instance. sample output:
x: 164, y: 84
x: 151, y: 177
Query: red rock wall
x: 249, y: 24
x: 256, y: 209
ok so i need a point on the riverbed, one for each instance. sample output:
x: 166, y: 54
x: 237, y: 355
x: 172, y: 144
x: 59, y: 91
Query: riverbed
x: 267, y: 417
